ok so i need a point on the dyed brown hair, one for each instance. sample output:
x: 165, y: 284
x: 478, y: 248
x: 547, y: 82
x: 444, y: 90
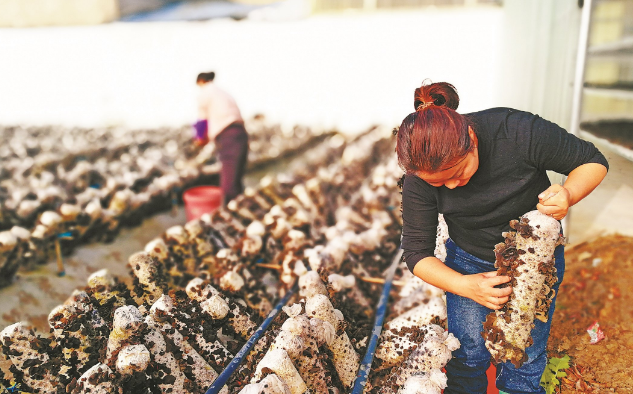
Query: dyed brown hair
x: 435, y: 134
x: 205, y: 77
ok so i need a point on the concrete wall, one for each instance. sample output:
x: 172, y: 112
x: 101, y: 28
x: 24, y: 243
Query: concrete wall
x: 29, y: 13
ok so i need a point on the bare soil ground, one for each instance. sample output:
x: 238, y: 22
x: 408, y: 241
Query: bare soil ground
x: 597, y: 287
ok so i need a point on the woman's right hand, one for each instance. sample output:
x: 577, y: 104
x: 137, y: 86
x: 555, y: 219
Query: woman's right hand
x: 481, y: 289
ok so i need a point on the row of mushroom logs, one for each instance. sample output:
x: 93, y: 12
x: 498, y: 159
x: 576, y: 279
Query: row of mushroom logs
x: 94, y: 214
x: 88, y: 165
x: 96, y: 182
x: 178, y: 345
x: 39, y: 173
x: 412, y: 349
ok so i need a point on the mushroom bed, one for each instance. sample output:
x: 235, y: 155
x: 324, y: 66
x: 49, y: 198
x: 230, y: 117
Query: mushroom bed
x: 201, y: 290
x: 72, y: 186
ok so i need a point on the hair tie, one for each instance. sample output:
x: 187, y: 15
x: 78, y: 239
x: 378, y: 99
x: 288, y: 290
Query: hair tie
x: 424, y: 105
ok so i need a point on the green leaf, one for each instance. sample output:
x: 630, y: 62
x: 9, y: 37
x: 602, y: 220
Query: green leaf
x: 554, y: 370
x: 559, y: 363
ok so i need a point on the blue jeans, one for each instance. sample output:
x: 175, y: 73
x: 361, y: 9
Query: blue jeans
x: 466, y: 371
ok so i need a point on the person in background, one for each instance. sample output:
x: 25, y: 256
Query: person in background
x: 220, y: 120
x: 482, y: 170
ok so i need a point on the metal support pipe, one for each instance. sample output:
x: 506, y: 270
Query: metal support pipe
x: 581, y: 57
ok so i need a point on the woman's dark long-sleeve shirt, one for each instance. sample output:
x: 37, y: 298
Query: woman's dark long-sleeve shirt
x: 516, y: 149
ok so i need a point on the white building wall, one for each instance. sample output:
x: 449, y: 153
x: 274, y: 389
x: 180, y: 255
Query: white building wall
x: 346, y: 71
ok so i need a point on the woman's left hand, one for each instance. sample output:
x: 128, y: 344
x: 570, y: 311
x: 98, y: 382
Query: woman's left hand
x: 554, y: 202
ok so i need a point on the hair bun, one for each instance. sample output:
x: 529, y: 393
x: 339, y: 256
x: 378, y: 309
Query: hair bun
x: 440, y: 94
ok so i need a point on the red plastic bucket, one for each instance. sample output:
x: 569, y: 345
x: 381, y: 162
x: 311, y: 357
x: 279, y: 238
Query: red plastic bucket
x: 200, y: 200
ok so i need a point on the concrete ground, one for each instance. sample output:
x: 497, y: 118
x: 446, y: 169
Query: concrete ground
x: 34, y: 293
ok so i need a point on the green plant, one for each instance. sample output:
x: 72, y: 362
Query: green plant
x: 554, y: 370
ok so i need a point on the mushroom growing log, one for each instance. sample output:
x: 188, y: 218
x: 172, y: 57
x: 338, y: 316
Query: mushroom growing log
x: 31, y: 359
x: 95, y: 380
x: 271, y: 384
x: 428, y: 359
x: 278, y: 361
x: 402, y: 334
x: 527, y: 256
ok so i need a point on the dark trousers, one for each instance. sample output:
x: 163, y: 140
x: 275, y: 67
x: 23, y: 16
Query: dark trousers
x: 232, y: 148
